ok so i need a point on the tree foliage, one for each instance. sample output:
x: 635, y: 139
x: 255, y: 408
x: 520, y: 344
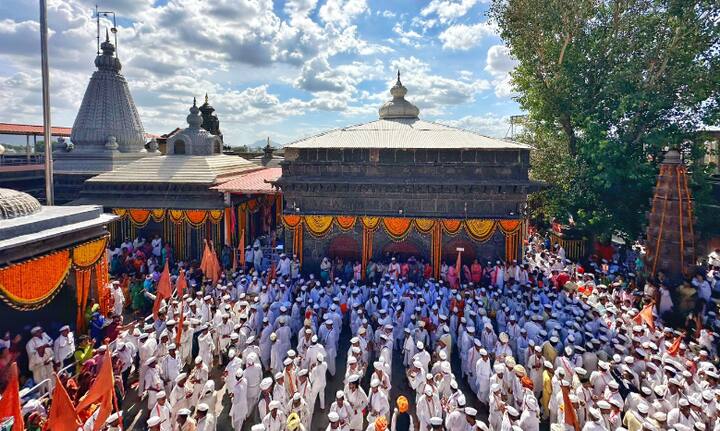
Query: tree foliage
x: 608, y: 85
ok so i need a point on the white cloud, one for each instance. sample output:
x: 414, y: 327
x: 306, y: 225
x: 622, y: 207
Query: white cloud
x: 499, y: 63
x: 488, y: 125
x: 463, y: 37
x: 342, y: 12
x: 448, y: 10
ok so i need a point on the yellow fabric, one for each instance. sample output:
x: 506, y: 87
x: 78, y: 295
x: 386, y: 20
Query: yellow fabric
x: 120, y: 212
x: 424, y: 225
x: 158, y: 214
x: 480, y: 229
x: 215, y: 215
x: 86, y: 255
x: 176, y: 216
x: 547, y: 390
x: 371, y: 223
x: 318, y: 225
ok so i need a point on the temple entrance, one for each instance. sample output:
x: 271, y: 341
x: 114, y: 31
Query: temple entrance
x: 345, y: 247
x: 402, y: 250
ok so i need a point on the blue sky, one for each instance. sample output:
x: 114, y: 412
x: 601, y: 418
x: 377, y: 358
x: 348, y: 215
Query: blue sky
x: 284, y: 69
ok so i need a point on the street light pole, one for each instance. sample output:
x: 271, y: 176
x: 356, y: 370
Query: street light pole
x: 49, y: 191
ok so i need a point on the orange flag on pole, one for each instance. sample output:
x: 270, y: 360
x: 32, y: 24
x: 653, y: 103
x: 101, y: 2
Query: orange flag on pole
x: 205, y: 261
x: 101, y: 392
x: 214, y: 264
x: 675, y: 348
x: 458, y: 267
x: 163, y: 291
x: 646, y: 316
x: 62, y: 416
x: 569, y: 410
x: 10, y: 401
x: 241, y: 248
x: 181, y: 285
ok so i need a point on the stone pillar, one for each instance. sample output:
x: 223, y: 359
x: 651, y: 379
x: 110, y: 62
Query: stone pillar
x: 670, y: 235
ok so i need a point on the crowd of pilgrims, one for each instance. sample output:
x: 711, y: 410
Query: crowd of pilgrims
x: 521, y: 347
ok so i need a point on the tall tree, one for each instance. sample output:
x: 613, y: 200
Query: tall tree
x: 609, y: 84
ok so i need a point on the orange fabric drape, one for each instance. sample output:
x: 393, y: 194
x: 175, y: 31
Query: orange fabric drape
x: 196, y: 217
x: 139, y: 216
x: 10, y: 405
x: 82, y: 283
x: 180, y: 287
x: 570, y: 414
x: 367, y: 249
x: 228, y: 226
x: 451, y: 226
x: 298, y: 241
x: 436, y: 244
x: 509, y: 226
x: 62, y: 415
x: 511, y: 247
x: 291, y: 220
x: 345, y: 222
x: 101, y: 392
x: 33, y: 283
x: 675, y: 347
x: 397, y: 228
x: 646, y: 316
x: 101, y: 281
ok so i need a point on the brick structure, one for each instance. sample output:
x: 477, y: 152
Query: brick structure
x: 401, y: 166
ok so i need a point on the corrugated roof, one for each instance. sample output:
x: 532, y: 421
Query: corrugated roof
x: 177, y: 169
x: 252, y: 182
x: 404, y: 133
x: 30, y: 129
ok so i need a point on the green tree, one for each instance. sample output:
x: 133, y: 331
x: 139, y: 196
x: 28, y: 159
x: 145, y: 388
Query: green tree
x: 609, y: 84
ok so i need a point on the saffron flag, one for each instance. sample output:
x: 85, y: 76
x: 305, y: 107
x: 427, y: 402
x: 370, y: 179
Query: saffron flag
x: 181, y: 285
x: 569, y: 410
x: 101, y: 392
x: 458, y: 265
x: 241, y: 247
x: 675, y: 347
x: 271, y: 274
x: 62, y: 416
x: 205, y: 261
x: 163, y: 291
x: 10, y: 405
x: 646, y: 316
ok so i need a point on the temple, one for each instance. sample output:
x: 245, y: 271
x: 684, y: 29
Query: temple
x: 107, y: 132
x: 407, y: 187
x: 173, y: 195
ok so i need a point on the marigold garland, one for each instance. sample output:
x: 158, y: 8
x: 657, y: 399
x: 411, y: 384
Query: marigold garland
x: 397, y: 228
x: 33, y: 283
x: 480, y: 229
x: 424, y: 225
x: 509, y: 226
x: 291, y: 220
x: 371, y: 222
x: 215, y: 216
x: 317, y: 225
x: 451, y: 226
x: 158, y: 215
x: 86, y: 255
x: 345, y: 222
x: 139, y: 217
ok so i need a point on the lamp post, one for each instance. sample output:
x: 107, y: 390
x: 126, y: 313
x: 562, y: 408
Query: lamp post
x: 49, y: 191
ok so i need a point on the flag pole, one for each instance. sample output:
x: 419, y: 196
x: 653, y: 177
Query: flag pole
x: 49, y: 189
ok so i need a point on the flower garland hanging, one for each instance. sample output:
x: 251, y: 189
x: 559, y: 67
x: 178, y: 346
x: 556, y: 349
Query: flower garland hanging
x: 32, y: 284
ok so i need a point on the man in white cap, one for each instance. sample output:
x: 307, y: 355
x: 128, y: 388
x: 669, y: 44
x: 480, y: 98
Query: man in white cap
x: 118, y: 298
x: 198, y: 376
x: 318, y: 376
x: 180, y: 396
x: 483, y: 371
x: 185, y: 421
x: 341, y: 407
x: 254, y: 375
x: 206, y: 346
x: 299, y: 406
x: 40, y: 358
x: 358, y: 400
x: 153, y: 423
x: 170, y: 367
x: 329, y: 336
x: 162, y: 410
x: 378, y: 403
x: 681, y: 414
x: 428, y: 406
x: 334, y: 423
x: 238, y: 393
x: 275, y: 419
x: 152, y: 382
x: 112, y: 423
x: 266, y: 391
x: 205, y: 419
x: 64, y: 347
x: 596, y: 422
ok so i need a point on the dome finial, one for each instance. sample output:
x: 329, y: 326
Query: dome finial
x: 107, y: 35
x: 206, y: 98
x: 194, y: 102
x: 398, y: 81
x: 398, y: 107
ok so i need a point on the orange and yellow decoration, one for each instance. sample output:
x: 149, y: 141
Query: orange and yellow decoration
x: 398, y: 228
x: 33, y: 283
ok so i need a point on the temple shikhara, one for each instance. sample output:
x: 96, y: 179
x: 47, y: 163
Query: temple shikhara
x: 404, y: 186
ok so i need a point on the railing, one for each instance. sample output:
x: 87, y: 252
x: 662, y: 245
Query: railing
x: 21, y: 160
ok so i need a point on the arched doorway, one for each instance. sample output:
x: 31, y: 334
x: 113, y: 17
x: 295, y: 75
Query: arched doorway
x: 345, y: 247
x: 402, y: 250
